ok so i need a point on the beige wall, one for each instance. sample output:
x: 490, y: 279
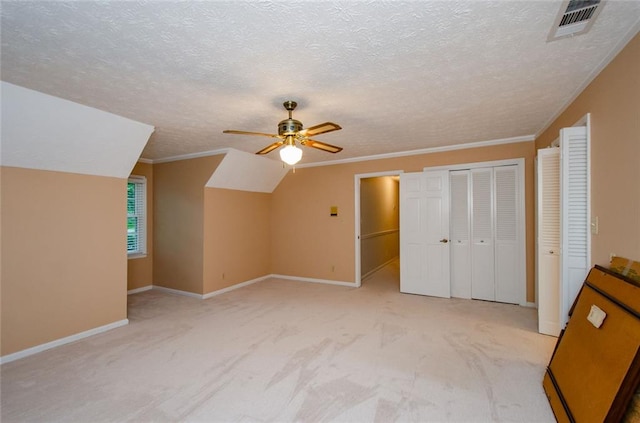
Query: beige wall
x: 64, y: 265
x: 613, y: 99
x: 306, y: 241
x: 140, y: 270
x: 178, y: 212
x: 379, y: 214
x: 323, y: 246
x: 236, y: 237
x: 64, y: 260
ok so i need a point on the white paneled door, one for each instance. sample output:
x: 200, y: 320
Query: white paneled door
x: 424, y: 233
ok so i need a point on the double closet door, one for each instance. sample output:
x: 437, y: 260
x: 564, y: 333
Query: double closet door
x: 485, y: 261
x: 461, y: 233
x: 563, y: 256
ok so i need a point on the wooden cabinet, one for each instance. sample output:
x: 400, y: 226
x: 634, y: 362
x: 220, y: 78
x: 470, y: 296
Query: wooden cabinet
x: 594, y: 371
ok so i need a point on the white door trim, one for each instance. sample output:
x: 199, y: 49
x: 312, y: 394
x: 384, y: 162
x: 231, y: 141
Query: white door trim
x: 474, y: 165
x: 356, y: 181
x: 522, y: 229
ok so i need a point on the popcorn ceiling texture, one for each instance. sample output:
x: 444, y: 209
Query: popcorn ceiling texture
x: 396, y: 76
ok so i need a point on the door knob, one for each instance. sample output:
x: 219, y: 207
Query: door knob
x: 444, y: 240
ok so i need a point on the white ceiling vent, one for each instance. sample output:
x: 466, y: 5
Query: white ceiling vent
x: 575, y: 17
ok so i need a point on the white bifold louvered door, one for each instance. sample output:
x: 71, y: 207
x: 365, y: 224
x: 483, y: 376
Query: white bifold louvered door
x: 494, y: 247
x: 506, y: 234
x: 575, y: 236
x: 482, y: 247
x: 460, y: 245
x: 548, y: 241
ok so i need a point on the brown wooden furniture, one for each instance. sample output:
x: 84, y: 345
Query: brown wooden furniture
x: 594, y: 372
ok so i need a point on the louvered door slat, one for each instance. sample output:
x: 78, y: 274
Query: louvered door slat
x: 459, y: 206
x: 505, y: 178
x: 549, y: 212
x: 482, y: 202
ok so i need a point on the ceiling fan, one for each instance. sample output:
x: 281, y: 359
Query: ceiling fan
x: 291, y: 130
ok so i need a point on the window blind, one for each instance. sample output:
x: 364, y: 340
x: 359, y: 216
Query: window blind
x: 136, y: 215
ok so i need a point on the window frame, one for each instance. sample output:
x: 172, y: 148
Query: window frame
x: 141, y: 215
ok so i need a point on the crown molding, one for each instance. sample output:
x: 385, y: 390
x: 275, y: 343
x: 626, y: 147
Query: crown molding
x: 635, y: 28
x: 186, y: 156
x: 512, y: 140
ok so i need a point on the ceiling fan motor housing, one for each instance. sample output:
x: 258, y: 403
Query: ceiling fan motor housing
x: 289, y: 127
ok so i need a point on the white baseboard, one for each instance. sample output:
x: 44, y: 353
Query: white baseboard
x: 137, y: 290
x: 177, y: 292
x: 78, y: 336
x: 62, y: 341
x: 371, y: 272
x: 529, y: 304
x: 549, y: 328
x: 325, y: 281
x: 241, y: 285
x: 233, y: 287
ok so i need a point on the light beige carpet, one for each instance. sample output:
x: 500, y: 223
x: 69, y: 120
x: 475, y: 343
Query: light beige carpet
x: 280, y: 351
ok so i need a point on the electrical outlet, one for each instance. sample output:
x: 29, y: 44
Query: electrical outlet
x: 594, y: 225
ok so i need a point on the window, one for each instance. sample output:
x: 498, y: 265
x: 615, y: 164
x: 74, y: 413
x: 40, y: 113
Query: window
x: 137, y: 216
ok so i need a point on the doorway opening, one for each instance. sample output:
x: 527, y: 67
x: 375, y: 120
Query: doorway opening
x: 377, y: 217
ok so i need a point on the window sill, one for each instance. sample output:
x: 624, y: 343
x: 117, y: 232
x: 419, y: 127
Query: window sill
x: 136, y: 256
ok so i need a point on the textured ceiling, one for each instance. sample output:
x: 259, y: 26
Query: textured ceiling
x: 397, y: 76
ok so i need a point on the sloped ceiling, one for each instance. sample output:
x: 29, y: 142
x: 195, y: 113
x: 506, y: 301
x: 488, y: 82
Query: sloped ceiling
x: 247, y: 172
x: 44, y: 132
x: 396, y: 75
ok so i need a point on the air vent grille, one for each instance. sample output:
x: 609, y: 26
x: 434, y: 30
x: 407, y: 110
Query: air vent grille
x: 578, y: 14
x: 575, y: 17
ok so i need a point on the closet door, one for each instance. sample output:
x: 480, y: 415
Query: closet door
x: 482, y: 247
x: 413, y: 234
x: 575, y: 236
x: 424, y: 233
x: 460, y: 246
x: 548, y: 235
x: 437, y: 208
x: 506, y: 234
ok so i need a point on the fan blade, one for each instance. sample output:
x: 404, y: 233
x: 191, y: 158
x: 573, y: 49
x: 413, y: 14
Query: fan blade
x: 262, y: 134
x: 321, y: 146
x: 270, y: 148
x: 323, y: 128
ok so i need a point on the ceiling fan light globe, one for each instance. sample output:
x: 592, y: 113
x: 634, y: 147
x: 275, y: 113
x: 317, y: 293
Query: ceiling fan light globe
x: 290, y: 154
